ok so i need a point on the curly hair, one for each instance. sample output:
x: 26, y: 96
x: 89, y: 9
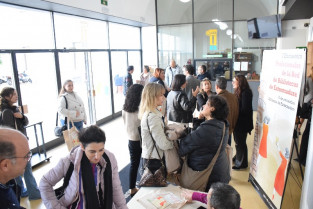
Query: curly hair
x: 133, y: 98
x: 242, y: 85
x: 6, y: 92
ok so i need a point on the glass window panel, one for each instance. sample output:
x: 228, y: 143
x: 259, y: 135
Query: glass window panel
x: 80, y: 33
x: 6, y: 71
x: 245, y: 10
x: 149, y: 46
x: 175, y: 42
x: 23, y: 28
x: 101, y: 84
x: 119, y: 71
x: 135, y: 60
x: 173, y: 12
x: 124, y: 36
x: 73, y: 67
x: 38, y: 91
x: 207, y: 11
x: 212, y: 39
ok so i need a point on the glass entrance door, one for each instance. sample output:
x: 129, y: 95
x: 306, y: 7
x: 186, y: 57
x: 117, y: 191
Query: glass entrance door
x: 91, y: 76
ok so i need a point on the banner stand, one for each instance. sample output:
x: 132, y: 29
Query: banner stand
x: 261, y: 192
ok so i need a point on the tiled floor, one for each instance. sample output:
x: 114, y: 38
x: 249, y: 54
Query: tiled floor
x: 118, y: 144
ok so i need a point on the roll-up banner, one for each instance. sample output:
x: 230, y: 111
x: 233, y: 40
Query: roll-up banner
x: 280, y: 84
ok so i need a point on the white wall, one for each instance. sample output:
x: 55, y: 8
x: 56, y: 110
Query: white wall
x: 294, y: 34
x: 137, y: 10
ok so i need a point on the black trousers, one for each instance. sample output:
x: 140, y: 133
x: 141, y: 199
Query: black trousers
x: 241, y: 149
x: 135, y: 155
x: 304, y: 143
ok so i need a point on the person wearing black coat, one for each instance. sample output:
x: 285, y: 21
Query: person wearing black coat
x: 179, y: 107
x: 201, y: 145
x: 245, y: 121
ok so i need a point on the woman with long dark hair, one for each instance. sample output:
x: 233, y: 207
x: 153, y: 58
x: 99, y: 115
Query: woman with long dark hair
x: 13, y: 118
x: 245, y: 120
x: 131, y: 123
x: 179, y: 108
x: 75, y: 110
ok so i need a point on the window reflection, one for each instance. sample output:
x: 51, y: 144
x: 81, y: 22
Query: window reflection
x: 80, y: 33
x: 23, y: 28
x: 38, y: 90
x: 6, y: 72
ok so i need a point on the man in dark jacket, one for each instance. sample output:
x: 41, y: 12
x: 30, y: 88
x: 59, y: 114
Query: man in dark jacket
x: 128, y: 80
x: 14, y: 155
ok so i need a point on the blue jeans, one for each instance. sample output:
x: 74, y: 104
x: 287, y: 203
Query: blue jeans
x: 32, y: 188
x: 78, y: 125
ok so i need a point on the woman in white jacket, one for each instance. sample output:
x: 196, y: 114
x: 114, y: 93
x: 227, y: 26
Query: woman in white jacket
x: 152, y: 122
x: 75, y: 110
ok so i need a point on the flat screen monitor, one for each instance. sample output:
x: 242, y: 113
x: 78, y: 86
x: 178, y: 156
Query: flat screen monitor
x: 264, y: 27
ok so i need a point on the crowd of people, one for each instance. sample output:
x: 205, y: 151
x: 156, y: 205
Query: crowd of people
x: 164, y: 97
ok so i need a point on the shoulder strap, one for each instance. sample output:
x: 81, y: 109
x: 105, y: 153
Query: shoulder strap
x: 154, y: 144
x: 219, y: 148
x: 68, y: 175
x: 66, y: 106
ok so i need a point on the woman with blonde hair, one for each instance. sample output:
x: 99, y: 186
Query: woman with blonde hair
x: 71, y: 106
x: 152, y: 125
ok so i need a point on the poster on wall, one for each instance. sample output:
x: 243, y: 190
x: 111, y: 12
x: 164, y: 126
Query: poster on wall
x: 280, y: 85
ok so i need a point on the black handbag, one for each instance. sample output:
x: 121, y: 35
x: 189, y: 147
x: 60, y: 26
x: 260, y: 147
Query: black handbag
x: 59, y: 192
x: 156, y: 179
x: 58, y: 131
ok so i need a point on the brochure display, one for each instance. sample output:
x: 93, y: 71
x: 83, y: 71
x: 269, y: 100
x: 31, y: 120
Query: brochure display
x: 280, y: 84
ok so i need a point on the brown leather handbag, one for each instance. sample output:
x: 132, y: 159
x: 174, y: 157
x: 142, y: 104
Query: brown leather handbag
x: 148, y: 179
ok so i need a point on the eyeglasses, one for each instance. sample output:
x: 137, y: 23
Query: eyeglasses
x: 27, y: 157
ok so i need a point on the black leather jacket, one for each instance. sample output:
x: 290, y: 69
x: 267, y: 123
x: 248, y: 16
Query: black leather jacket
x: 179, y: 108
x: 201, y: 145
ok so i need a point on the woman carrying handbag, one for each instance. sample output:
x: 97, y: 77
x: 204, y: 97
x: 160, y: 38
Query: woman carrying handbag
x: 204, y: 149
x: 71, y: 106
x: 154, y: 140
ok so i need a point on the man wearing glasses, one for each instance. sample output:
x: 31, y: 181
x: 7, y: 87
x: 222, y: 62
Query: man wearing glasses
x: 14, y: 155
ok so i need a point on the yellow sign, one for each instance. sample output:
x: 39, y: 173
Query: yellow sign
x: 212, y: 33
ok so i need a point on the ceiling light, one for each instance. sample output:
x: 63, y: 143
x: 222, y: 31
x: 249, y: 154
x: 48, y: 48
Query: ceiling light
x: 185, y: 1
